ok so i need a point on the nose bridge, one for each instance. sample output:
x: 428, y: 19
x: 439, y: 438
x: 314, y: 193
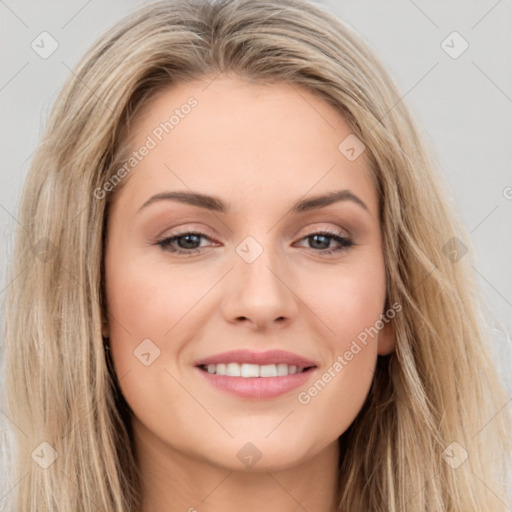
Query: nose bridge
x: 259, y: 264
x: 260, y: 293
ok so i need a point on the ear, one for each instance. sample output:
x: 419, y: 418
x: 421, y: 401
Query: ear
x: 386, y: 339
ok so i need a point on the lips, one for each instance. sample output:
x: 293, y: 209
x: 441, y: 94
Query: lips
x: 256, y: 375
x: 260, y: 358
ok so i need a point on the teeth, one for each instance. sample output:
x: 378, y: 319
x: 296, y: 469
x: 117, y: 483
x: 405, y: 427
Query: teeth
x: 268, y: 370
x: 233, y: 370
x: 282, y: 369
x: 252, y: 370
x: 249, y: 370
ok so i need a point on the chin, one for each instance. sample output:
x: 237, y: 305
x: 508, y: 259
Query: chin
x: 257, y: 454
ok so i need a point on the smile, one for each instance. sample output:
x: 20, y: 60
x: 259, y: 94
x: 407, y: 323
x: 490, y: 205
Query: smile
x: 256, y: 375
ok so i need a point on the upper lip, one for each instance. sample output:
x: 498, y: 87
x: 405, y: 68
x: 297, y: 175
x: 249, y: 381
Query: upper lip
x: 259, y: 358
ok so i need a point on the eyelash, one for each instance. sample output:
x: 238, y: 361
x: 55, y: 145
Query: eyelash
x: 345, y: 243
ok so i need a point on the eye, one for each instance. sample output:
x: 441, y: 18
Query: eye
x: 321, y: 240
x: 189, y: 242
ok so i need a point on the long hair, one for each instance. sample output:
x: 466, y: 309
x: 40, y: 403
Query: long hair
x: 431, y: 435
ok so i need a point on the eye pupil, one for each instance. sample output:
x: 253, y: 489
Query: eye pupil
x: 189, y: 244
x: 324, y: 242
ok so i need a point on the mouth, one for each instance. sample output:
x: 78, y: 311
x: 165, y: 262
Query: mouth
x: 256, y: 375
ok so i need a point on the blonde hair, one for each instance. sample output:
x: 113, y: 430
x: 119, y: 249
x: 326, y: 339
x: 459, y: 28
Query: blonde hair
x: 439, y: 386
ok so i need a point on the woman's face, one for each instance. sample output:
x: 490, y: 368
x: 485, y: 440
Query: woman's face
x: 251, y: 271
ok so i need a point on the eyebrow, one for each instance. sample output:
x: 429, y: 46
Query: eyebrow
x: 217, y: 205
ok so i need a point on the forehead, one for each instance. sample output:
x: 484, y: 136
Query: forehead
x: 229, y: 137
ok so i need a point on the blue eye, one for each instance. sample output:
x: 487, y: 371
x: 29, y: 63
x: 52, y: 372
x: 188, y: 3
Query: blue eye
x: 187, y: 243
x: 325, y: 237
x: 190, y: 242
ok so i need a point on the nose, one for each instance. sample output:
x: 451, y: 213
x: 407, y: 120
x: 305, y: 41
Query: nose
x: 260, y: 293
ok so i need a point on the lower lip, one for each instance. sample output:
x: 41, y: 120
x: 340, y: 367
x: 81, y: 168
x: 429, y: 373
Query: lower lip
x: 258, y: 388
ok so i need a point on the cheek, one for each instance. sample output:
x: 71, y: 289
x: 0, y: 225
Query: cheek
x: 143, y: 307
x: 350, y: 305
x: 153, y: 312
x: 137, y: 320
x: 144, y: 302
x: 340, y: 388
x: 348, y: 300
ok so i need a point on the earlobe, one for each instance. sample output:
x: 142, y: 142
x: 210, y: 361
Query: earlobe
x: 386, y: 339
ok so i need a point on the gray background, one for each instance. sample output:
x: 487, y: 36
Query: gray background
x: 464, y: 106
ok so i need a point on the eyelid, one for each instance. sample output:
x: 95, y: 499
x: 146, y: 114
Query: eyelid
x: 188, y: 228
x: 207, y: 233
x: 330, y: 230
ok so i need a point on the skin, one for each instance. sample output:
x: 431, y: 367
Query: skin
x: 259, y: 148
